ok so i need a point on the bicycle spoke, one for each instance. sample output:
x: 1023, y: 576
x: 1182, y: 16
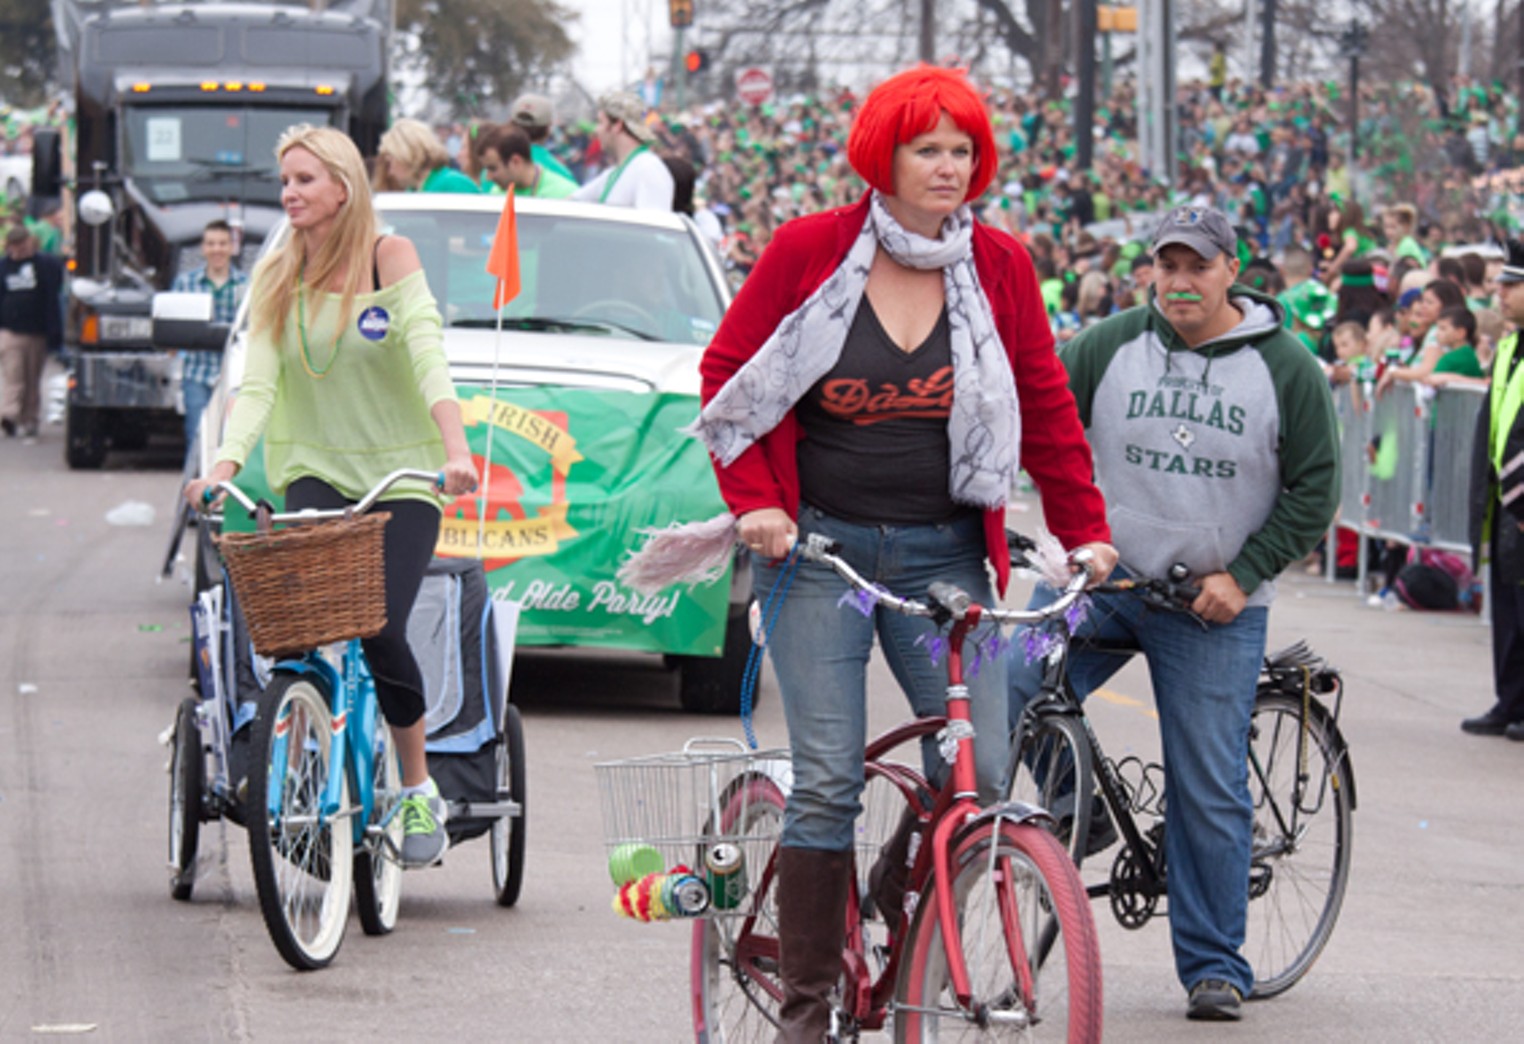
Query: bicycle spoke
x: 1301, y: 861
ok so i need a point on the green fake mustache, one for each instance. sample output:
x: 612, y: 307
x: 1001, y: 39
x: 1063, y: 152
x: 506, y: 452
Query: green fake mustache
x: 1183, y: 297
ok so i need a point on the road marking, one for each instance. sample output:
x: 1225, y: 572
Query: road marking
x: 1111, y: 696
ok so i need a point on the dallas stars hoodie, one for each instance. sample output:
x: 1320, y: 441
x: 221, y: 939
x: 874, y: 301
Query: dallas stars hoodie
x: 1222, y: 457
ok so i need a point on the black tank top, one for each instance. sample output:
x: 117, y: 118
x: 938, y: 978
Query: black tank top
x: 875, y: 446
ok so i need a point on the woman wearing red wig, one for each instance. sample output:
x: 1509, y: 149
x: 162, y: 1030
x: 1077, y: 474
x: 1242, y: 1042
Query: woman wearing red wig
x: 880, y: 378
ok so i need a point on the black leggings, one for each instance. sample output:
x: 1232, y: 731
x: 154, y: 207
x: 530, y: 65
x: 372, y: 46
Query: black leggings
x: 411, y: 534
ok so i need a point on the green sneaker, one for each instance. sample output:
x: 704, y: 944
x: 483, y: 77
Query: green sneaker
x: 423, y: 833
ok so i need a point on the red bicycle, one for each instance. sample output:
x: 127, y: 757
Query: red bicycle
x: 996, y: 939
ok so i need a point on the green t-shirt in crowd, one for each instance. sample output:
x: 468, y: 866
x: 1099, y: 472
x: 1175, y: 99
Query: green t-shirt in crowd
x: 552, y: 186
x: 49, y: 238
x: 448, y: 179
x: 1408, y: 247
x: 1363, y: 244
x: 547, y: 159
x: 1460, y: 360
x: 1052, y: 291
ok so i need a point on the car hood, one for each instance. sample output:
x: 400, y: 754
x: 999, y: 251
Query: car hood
x: 577, y: 361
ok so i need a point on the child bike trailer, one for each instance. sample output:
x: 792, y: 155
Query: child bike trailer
x: 475, y: 737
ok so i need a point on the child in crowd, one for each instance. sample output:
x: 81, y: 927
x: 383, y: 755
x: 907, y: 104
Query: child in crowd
x: 1351, y: 351
x: 1489, y: 331
x: 1455, y: 330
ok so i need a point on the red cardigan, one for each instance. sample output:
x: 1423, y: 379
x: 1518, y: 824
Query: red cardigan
x: 1054, y: 452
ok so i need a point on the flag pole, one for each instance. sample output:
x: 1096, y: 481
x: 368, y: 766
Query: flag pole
x: 481, y: 507
x: 502, y: 262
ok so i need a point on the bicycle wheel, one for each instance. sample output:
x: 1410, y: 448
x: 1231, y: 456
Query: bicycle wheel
x: 186, y: 770
x: 1051, y: 764
x: 508, y: 831
x: 883, y: 808
x: 1028, y: 938
x: 1300, y: 865
x: 378, y: 870
x: 736, y: 988
x: 302, y: 862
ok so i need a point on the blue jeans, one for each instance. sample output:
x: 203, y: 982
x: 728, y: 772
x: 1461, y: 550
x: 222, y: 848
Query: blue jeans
x: 196, y: 395
x: 1203, y: 683
x: 820, y: 651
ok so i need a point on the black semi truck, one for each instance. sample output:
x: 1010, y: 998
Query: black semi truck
x: 177, y: 110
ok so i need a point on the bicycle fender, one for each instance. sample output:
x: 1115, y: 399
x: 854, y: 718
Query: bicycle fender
x: 314, y: 667
x: 1015, y: 812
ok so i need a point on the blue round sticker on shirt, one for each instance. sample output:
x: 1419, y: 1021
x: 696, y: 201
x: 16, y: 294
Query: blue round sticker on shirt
x: 373, y: 323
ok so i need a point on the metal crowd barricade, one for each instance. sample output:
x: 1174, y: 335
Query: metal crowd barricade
x: 1406, y: 467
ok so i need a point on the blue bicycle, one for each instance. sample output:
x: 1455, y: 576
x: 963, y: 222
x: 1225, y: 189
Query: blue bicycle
x: 325, y: 771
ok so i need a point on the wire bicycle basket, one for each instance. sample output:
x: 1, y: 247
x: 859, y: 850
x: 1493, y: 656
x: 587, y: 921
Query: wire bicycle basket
x: 689, y: 833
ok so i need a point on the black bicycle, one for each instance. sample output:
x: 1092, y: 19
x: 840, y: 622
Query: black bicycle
x: 1300, y: 778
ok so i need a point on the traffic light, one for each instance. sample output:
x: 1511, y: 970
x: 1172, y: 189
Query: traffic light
x: 680, y: 13
x: 696, y: 61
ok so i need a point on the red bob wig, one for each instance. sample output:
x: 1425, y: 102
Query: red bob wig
x: 910, y: 104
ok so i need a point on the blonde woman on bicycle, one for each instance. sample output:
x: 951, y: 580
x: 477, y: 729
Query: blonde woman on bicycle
x: 347, y: 381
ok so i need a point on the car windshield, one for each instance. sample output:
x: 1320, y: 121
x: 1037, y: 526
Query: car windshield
x: 181, y: 153
x: 577, y: 274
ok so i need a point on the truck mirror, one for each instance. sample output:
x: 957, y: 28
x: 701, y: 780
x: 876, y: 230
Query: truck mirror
x: 183, y: 322
x: 47, y: 162
x: 96, y: 208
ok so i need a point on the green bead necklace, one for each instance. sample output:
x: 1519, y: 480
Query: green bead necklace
x: 301, y: 328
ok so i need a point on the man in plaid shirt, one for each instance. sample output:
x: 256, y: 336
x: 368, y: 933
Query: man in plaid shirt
x: 226, y: 284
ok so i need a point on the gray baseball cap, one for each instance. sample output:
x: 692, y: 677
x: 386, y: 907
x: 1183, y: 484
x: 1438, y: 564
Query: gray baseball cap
x: 628, y: 110
x: 1205, y: 230
x: 533, y: 110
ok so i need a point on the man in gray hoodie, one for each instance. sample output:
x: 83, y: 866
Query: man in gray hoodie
x: 1216, y: 447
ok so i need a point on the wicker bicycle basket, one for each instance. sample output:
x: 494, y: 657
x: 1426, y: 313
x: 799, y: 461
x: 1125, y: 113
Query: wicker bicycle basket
x: 310, y: 584
x: 684, y: 804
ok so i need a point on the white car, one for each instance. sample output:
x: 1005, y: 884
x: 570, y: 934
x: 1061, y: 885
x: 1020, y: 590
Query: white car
x: 596, y: 363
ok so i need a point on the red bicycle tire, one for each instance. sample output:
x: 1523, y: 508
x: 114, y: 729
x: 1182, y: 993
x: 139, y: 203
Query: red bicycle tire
x: 1068, y: 902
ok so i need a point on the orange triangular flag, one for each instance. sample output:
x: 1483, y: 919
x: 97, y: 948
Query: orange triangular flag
x: 503, y: 260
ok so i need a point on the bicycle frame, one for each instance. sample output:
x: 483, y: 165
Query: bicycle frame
x: 956, y: 805
x: 1057, y: 697
x: 351, y: 695
x: 349, y: 688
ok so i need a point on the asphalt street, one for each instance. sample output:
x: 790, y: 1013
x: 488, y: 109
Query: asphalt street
x: 93, y: 653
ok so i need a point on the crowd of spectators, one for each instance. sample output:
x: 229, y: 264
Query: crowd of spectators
x: 1433, y: 170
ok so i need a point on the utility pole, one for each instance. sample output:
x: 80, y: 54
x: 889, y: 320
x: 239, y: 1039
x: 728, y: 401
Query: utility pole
x: 1352, y: 46
x: 1084, y: 104
x: 1520, y: 17
x: 1267, y: 46
x: 679, y: 71
x: 928, y: 41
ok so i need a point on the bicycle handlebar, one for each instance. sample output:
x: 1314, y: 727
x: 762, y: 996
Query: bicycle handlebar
x: 1174, y: 592
x: 947, y: 600
x: 313, y: 514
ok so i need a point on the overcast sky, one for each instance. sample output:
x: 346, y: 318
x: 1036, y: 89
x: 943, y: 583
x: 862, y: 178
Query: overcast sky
x: 602, y: 32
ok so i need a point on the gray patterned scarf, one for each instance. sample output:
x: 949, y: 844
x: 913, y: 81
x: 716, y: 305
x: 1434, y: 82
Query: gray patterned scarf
x: 984, y: 425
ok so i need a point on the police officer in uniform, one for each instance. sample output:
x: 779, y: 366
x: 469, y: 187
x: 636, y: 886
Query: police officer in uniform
x: 1497, y: 509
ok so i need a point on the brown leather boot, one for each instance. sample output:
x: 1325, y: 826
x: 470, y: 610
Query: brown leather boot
x: 889, y: 874
x: 812, y: 910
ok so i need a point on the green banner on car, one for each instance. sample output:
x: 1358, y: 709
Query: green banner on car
x: 570, y: 477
